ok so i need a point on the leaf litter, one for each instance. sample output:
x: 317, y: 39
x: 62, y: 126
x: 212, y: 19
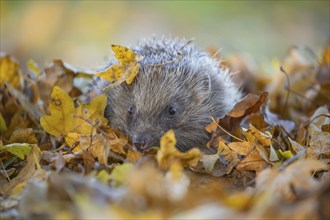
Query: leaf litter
x: 60, y: 159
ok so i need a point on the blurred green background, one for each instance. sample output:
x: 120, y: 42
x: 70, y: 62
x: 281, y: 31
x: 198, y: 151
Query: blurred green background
x: 81, y: 32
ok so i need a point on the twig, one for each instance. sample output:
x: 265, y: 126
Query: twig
x: 227, y: 131
x: 239, y: 162
x: 287, y: 87
x: 316, y: 117
x: 3, y: 167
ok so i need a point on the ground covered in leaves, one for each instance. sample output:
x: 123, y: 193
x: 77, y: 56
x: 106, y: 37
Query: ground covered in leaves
x: 60, y: 159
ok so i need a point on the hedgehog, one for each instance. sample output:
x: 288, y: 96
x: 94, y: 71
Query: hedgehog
x: 177, y: 87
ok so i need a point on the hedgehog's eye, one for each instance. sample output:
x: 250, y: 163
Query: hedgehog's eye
x: 130, y: 110
x: 172, y: 110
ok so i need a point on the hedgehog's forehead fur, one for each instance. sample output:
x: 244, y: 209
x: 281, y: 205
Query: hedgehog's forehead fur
x: 172, y: 73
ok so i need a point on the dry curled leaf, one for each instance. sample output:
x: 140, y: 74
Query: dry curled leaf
x: 248, y: 105
x: 169, y: 154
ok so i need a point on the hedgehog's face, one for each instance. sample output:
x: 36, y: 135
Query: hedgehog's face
x: 160, y: 100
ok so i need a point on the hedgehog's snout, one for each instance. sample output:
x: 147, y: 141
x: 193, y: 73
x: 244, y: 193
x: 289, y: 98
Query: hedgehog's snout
x: 141, y: 141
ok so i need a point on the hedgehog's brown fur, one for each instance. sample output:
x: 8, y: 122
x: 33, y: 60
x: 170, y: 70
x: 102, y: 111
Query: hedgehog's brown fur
x: 172, y: 73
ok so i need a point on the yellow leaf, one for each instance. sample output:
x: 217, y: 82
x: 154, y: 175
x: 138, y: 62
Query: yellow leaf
x: 117, y: 140
x: 15, y: 192
x: 65, y: 118
x: 134, y: 71
x: 20, y: 150
x: 239, y: 200
x: 133, y: 156
x: 103, y: 176
x: 212, y: 126
x: 62, y: 110
x: 33, y: 67
x: 286, y: 154
x: 168, y: 155
x: 124, y: 55
x: 227, y: 155
x: 113, y: 73
x: 9, y: 72
x: 326, y: 56
x: 125, y: 71
x: 87, y: 114
x: 3, y: 126
x: 98, y: 146
x: 73, y: 141
x: 167, y: 143
x: 263, y: 139
x: 242, y: 148
x: 176, y: 171
x: 119, y: 173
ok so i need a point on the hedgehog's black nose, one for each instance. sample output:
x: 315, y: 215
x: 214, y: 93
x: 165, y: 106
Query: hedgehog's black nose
x: 141, y: 142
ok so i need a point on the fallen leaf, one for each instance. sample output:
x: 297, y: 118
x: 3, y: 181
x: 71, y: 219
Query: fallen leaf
x: 98, y: 146
x: 295, y: 180
x: 65, y: 118
x: 26, y: 172
x: 249, y: 104
x: 24, y: 135
x: 273, y: 120
x: 33, y: 67
x: 3, y: 126
x: 103, y: 176
x: 212, y: 126
x: 326, y: 56
x: 133, y: 156
x: 125, y: 71
x: 20, y: 150
x: 10, y: 72
x: 228, y: 158
x: 286, y: 154
x: 119, y: 174
x: 169, y: 154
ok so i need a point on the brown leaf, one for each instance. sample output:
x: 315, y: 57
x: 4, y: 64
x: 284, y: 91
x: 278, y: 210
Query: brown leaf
x: 295, y: 180
x: 242, y: 148
x: 253, y: 162
x: 326, y: 127
x: 213, y: 126
x: 248, y: 105
x: 23, y: 136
